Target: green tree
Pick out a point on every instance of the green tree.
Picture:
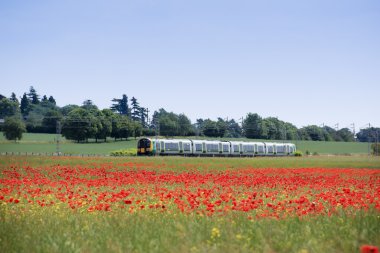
(80, 124)
(33, 96)
(50, 119)
(89, 105)
(13, 98)
(121, 105)
(8, 108)
(168, 126)
(210, 128)
(184, 126)
(13, 128)
(24, 105)
(252, 126)
(233, 129)
(105, 127)
(135, 111)
(345, 134)
(67, 109)
(52, 100)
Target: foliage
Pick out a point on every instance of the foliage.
(8, 108)
(298, 153)
(13, 128)
(121, 105)
(368, 134)
(375, 147)
(253, 126)
(124, 152)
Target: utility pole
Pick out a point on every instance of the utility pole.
(369, 149)
(58, 128)
(147, 115)
(353, 129)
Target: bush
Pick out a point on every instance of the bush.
(375, 148)
(124, 152)
(298, 153)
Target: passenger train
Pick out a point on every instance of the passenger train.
(188, 147)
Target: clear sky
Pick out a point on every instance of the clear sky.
(305, 62)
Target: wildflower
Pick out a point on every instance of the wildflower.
(369, 249)
(215, 233)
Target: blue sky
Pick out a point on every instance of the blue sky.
(305, 62)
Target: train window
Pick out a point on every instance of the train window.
(248, 148)
(260, 149)
(171, 146)
(186, 147)
(212, 147)
(198, 147)
(270, 148)
(236, 148)
(280, 149)
(226, 148)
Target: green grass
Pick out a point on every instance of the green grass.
(54, 230)
(46, 143)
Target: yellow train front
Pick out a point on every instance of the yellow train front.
(145, 147)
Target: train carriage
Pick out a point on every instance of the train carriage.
(187, 147)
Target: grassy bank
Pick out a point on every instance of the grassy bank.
(47, 143)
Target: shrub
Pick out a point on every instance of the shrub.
(124, 152)
(298, 153)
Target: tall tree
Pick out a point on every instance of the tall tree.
(89, 105)
(135, 112)
(121, 105)
(25, 105)
(13, 98)
(184, 125)
(52, 100)
(13, 128)
(33, 96)
(252, 126)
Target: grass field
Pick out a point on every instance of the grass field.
(46, 143)
(177, 204)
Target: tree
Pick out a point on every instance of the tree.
(13, 98)
(167, 125)
(79, 125)
(210, 128)
(89, 105)
(13, 128)
(50, 119)
(105, 127)
(233, 129)
(252, 126)
(121, 105)
(8, 108)
(33, 96)
(52, 100)
(184, 126)
(25, 105)
(67, 109)
(345, 134)
(135, 112)
(143, 116)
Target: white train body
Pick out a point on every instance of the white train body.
(189, 147)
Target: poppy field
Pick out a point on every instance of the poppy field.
(68, 204)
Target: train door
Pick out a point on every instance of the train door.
(241, 148)
(180, 147)
(162, 146)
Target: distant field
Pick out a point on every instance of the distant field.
(46, 143)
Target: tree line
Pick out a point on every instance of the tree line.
(127, 118)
